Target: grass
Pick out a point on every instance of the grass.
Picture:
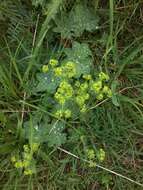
(115, 124)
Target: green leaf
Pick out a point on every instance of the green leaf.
(56, 137)
(46, 82)
(80, 19)
(115, 100)
(81, 55)
(50, 133)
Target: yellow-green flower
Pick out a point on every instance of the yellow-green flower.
(100, 96)
(53, 62)
(67, 113)
(18, 164)
(101, 155)
(69, 69)
(64, 92)
(92, 164)
(84, 86)
(28, 172)
(87, 77)
(45, 68)
(59, 113)
(106, 90)
(58, 71)
(34, 147)
(82, 96)
(103, 76)
(26, 163)
(96, 86)
(83, 109)
(86, 96)
(90, 154)
(80, 100)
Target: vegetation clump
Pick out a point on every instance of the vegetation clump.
(71, 98)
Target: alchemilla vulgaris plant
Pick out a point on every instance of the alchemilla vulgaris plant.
(69, 89)
(71, 94)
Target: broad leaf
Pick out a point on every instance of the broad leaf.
(46, 82)
(81, 55)
(50, 133)
(80, 19)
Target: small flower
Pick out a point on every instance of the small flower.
(58, 71)
(86, 96)
(100, 96)
(35, 147)
(19, 164)
(59, 114)
(70, 69)
(92, 164)
(53, 62)
(26, 163)
(105, 89)
(83, 109)
(80, 100)
(45, 68)
(84, 86)
(96, 86)
(87, 77)
(64, 92)
(28, 172)
(90, 154)
(103, 76)
(101, 155)
(67, 113)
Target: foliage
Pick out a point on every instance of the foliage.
(75, 22)
(71, 94)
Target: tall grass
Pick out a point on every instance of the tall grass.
(115, 125)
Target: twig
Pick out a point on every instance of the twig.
(35, 33)
(23, 107)
(101, 167)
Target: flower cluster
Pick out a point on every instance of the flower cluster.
(26, 162)
(93, 156)
(100, 88)
(78, 89)
(67, 71)
(64, 92)
(82, 95)
(53, 62)
(45, 68)
(101, 155)
(63, 113)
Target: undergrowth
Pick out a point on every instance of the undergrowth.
(71, 96)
